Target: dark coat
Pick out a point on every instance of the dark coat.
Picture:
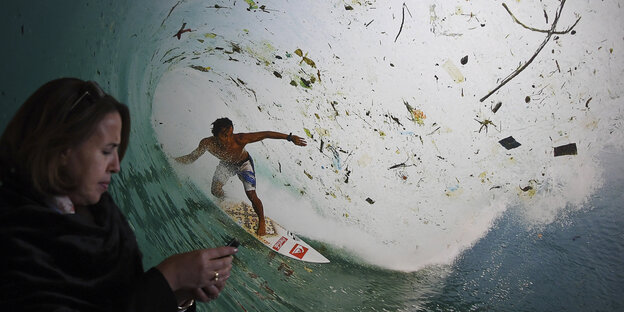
(62, 262)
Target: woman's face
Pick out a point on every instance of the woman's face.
(92, 163)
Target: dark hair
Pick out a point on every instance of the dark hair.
(60, 115)
(220, 125)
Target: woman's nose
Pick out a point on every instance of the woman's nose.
(114, 166)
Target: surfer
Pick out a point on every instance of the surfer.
(229, 148)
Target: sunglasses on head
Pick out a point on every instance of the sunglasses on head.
(92, 92)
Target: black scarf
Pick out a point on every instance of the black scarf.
(63, 262)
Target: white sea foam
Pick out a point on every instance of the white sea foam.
(385, 188)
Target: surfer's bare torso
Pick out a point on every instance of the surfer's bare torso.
(231, 152)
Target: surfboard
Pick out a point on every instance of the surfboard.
(277, 238)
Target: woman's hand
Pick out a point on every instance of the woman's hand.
(199, 274)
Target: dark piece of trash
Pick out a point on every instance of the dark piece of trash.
(568, 149)
(370, 201)
(464, 60)
(509, 143)
(498, 105)
(278, 75)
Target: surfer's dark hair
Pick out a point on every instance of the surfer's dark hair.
(60, 115)
(220, 125)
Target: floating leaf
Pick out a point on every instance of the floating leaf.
(307, 132)
(299, 52)
(293, 83)
(453, 71)
(309, 61)
(304, 83)
(252, 4)
(210, 35)
(419, 116)
(201, 68)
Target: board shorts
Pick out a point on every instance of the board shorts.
(244, 170)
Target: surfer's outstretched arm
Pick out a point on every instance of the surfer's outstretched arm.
(252, 137)
(195, 154)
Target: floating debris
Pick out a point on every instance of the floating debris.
(309, 175)
(278, 75)
(402, 20)
(293, 83)
(453, 71)
(252, 5)
(509, 143)
(305, 83)
(527, 99)
(181, 31)
(464, 60)
(347, 174)
(370, 201)
(496, 107)
(201, 68)
(568, 149)
(307, 132)
(348, 7)
(417, 115)
(216, 6)
(484, 124)
(401, 165)
(305, 58)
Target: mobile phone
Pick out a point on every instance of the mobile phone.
(233, 243)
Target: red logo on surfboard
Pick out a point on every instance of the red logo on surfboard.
(298, 251)
(280, 243)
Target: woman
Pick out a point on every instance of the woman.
(65, 244)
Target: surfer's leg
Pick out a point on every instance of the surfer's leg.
(256, 203)
(217, 189)
(247, 175)
(220, 177)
